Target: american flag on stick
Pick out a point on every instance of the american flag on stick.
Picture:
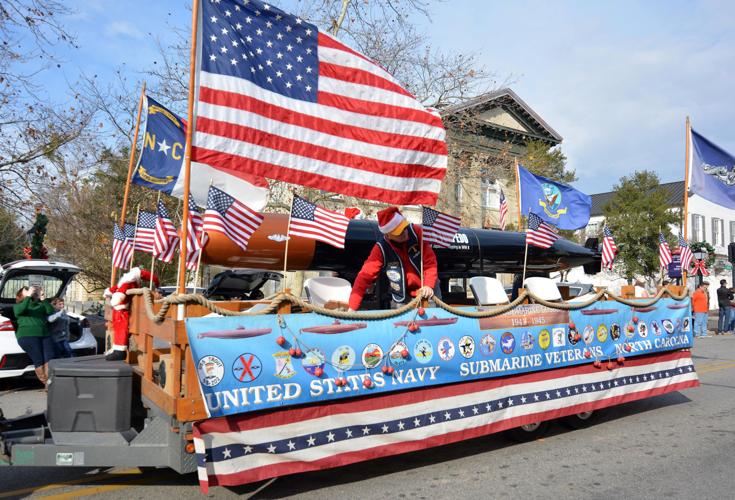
(439, 228)
(166, 238)
(195, 237)
(540, 234)
(317, 223)
(609, 249)
(685, 253)
(228, 216)
(122, 248)
(278, 98)
(664, 252)
(503, 210)
(145, 231)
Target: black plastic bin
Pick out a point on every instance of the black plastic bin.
(89, 394)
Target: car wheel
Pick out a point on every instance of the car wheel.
(529, 432)
(580, 420)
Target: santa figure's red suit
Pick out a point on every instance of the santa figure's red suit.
(120, 303)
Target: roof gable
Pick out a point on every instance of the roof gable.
(674, 191)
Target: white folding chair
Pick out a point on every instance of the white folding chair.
(323, 289)
(543, 288)
(488, 291)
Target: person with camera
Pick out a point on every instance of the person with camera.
(31, 312)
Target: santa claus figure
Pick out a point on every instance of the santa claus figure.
(120, 302)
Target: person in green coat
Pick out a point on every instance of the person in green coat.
(31, 312)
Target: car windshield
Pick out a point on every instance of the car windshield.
(50, 285)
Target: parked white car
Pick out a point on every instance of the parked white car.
(53, 277)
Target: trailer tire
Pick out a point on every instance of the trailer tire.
(529, 432)
(580, 420)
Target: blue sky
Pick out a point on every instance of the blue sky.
(616, 79)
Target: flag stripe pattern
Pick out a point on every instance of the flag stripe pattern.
(609, 249)
(503, 211)
(165, 238)
(664, 252)
(228, 216)
(540, 233)
(122, 248)
(311, 221)
(280, 99)
(685, 254)
(195, 237)
(439, 228)
(145, 231)
(241, 449)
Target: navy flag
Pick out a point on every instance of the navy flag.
(712, 172)
(556, 203)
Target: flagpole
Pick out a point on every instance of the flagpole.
(518, 191)
(135, 235)
(153, 254)
(687, 141)
(525, 254)
(130, 171)
(285, 255)
(201, 243)
(421, 247)
(187, 152)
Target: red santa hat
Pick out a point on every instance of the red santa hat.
(146, 276)
(391, 221)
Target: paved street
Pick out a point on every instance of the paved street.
(678, 445)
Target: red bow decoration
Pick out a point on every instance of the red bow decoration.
(699, 267)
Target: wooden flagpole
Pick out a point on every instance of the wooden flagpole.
(135, 235)
(153, 254)
(525, 255)
(687, 154)
(285, 255)
(518, 192)
(187, 151)
(131, 162)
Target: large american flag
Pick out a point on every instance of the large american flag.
(195, 237)
(685, 254)
(242, 449)
(664, 252)
(609, 249)
(281, 99)
(228, 216)
(311, 221)
(122, 248)
(145, 231)
(540, 233)
(503, 210)
(166, 238)
(439, 228)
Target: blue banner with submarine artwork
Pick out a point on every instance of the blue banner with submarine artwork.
(251, 363)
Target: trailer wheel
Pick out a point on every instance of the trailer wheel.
(580, 420)
(529, 432)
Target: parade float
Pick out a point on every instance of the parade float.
(244, 390)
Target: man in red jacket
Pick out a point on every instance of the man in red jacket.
(399, 253)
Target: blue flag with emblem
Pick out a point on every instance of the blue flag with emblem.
(163, 149)
(713, 171)
(556, 203)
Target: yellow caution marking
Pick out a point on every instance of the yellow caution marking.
(85, 479)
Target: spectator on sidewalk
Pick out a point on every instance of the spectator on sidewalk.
(700, 308)
(724, 297)
(59, 329)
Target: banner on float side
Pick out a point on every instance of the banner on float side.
(713, 171)
(242, 368)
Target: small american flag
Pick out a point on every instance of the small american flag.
(686, 254)
(439, 228)
(195, 237)
(228, 216)
(540, 233)
(664, 252)
(145, 231)
(122, 248)
(165, 239)
(280, 99)
(503, 210)
(609, 249)
(311, 221)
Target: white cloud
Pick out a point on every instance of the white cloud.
(123, 28)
